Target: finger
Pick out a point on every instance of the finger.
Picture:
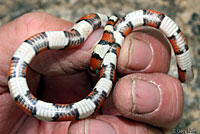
(111, 125)
(66, 61)
(146, 50)
(156, 99)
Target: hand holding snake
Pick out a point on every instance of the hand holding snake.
(124, 82)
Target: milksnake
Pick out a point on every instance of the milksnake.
(102, 63)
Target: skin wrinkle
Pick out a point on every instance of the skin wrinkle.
(40, 127)
(3, 118)
(61, 66)
(26, 20)
(53, 64)
(130, 51)
(18, 124)
(93, 47)
(3, 74)
(124, 67)
(177, 102)
(28, 23)
(86, 123)
(44, 128)
(3, 91)
(82, 67)
(32, 18)
(73, 66)
(173, 109)
(147, 130)
(54, 58)
(136, 132)
(133, 96)
(177, 96)
(3, 88)
(20, 120)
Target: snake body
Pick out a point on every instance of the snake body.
(102, 63)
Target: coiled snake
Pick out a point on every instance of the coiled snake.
(103, 60)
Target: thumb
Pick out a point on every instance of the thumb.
(143, 51)
(155, 98)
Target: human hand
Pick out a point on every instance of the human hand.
(143, 63)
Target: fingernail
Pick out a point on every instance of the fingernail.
(93, 126)
(146, 96)
(140, 54)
